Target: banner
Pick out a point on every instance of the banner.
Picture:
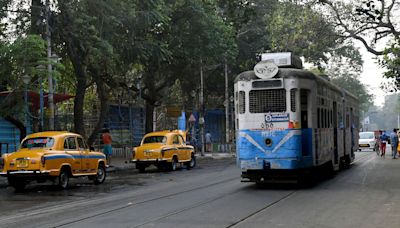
(366, 120)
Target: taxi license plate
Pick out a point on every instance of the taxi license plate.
(148, 154)
(23, 163)
(364, 145)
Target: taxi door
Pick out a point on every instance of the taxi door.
(183, 150)
(176, 143)
(87, 165)
(71, 148)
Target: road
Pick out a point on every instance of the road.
(211, 195)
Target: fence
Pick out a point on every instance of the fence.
(122, 152)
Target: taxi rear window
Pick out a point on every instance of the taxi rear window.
(39, 142)
(155, 139)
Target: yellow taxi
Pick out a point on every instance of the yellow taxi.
(52, 155)
(165, 150)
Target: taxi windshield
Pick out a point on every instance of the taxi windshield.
(366, 135)
(39, 142)
(155, 139)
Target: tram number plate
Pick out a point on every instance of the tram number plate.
(267, 125)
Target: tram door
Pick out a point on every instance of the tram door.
(335, 133)
(306, 129)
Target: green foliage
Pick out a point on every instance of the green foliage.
(302, 30)
(391, 61)
(16, 60)
(350, 83)
(20, 58)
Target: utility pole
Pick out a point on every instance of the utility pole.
(226, 104)
(49, 67)
(201, 119)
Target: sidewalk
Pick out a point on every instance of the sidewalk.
(118, 164)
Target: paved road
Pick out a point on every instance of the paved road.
(366, 195)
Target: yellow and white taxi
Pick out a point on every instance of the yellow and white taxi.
(164, 149)
(52, 155)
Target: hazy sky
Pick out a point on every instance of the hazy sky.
(372, 75)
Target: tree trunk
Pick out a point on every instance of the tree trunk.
(103, 96)
(78, 105)
(36, 18)
(77, 55)
(149, 116)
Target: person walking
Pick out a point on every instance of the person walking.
(208, 141)
(394, 141)
(383, 140)
(107, 140)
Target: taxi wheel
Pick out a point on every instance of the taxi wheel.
(192, 163)
(17, 184)
(141, 168)
(63, 179)
(101, 175)
(173, 164)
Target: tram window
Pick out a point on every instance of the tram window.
(242, 102)
(293, 100)
(326, 118)
(273, 100)
(319, 117)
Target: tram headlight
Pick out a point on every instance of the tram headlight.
(268, 142)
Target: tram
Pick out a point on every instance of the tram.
(290, 121)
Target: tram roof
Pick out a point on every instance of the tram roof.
(292, 73)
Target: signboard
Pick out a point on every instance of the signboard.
(192, 119)
(276, 117)
(266, 69)
(174, 111)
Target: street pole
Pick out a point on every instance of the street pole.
(41, 104)
(226, 105)
(26, 108)
(49, 68)
(201, 119)
(26, 79)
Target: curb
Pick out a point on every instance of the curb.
(208, 156)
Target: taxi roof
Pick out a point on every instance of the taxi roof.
(166, 132)
(51, 134)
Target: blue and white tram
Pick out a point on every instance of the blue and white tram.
(289, 120)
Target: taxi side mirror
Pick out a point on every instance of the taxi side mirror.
(91, 148)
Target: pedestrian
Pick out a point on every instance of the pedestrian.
(208, 141)
(383, 140)
(398, 146)
(107, 140)
(394, 141)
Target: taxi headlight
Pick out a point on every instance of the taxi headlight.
(371, 142)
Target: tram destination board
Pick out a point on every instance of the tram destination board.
(267, 84)
(276, 117)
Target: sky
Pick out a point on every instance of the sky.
(372, 75)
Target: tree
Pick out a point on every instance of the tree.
(371, 22)
(350, 83)
(17, 59)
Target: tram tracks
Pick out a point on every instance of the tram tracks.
(82, 204)
(364, 159)
(361, 158)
